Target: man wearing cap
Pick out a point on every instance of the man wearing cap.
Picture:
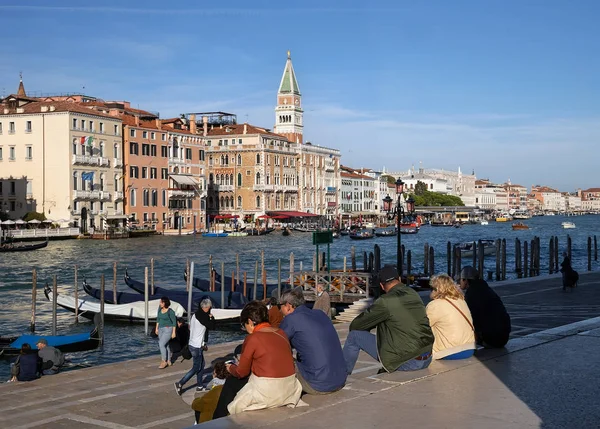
(320, 363)
(52, 358)
(490, 318)
(404, 338)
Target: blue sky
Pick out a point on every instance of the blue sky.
(506, 88)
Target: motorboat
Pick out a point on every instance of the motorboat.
(408, 230)
(215, 234)
(484, 222)
(466, 249)
(519, 226)
(568, 225)
(361, 235)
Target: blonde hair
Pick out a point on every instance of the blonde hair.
(443, 286)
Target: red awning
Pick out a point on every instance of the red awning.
(226, 216)
(280, 217)
(264, 217)
(294, 214)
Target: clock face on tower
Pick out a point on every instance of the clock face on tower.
(297, 102)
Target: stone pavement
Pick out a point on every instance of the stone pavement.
(546, 377)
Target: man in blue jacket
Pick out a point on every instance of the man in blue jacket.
(320, 365)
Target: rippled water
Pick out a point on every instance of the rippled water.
(94, 257)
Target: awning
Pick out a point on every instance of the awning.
(293, 214)
(184, 180)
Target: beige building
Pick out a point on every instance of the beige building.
(63, 158)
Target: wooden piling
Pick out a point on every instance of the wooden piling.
(187, 275)
(474, 256)
(402, 254)
(458, 261)
(480, 257)
(190, 294)
(453, 273)
(589, 243)
(518, 260)
(76, 297)
(377, 258)
(345, 267)
(102, 290)
(237, 267)
(152, 276)
(595, 248)
(115, 283)
(569, 246)
(498, 256)
(551, 256)
(255, 280)
(211, 285)
(371, 262)
(314, 262)
(504, 259)
(408, 267)
(292, 269)
(449, 258)
(353, 258)
(425, 258)
(532, 259)
(537, 256)
(33, 299)
(223, 285)
(525, 259)
(146, 300)
(556, 262)
(232, 280)
(278, 279)
(431, 263)
(365, 262)
(54, 296)
(245, 283)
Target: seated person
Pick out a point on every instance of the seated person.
(52, 358)
(205, 405)
(490, 318)
(267, 359)
(27, 366)
(322, 300)
(404, 339)
(450, 320)
(275, 315)
(231, 387)
(320, 365)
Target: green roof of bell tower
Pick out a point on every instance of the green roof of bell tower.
(289, 84)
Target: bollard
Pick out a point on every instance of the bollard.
(498, 256)
(353, 258)
(102, 290)
(551, 256)
(255, 280)
(525, 259)
(431, 264)
(449, 258)
(115, 283)
(589, 267)
(152, 274)
(33, 299)
(377, 260)
(504, 259)
(408, 267)
(146, 301)
(76, 297)
(54, 296)
(425, 258)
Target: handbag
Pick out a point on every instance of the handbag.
(463, 314)
(185, 352)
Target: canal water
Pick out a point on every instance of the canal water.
(96, 257)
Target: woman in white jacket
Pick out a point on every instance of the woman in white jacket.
(450, 320)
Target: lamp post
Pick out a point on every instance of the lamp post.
(398, 213)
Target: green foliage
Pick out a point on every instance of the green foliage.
(390, 179)
(437, 199)
(420, 188)
(34, 215)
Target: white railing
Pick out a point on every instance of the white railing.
(86, 159)
(82, 195)
(105, 196)
(259, 187)
(288, 188)
(227, 188)
(118, 196)
(103, 162)
(117, 162)
(58, 232)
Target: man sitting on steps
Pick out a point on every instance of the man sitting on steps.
(404, 339)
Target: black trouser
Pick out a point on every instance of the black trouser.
(231, 387)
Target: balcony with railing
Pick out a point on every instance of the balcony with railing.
(118, 196)
(181, 193)
(86, 195)
(85, 159)
(103, 162)
(104, 196)
(290, 188)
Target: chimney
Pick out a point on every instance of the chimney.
(221, 125)
(245, 128)
(158, 123)
(137, 121)
(204, 125)
(193, 124)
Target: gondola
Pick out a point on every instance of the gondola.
(19, 247)
(361, 235)
(409, 230)
(386, 233)
(235, 300)
(133, 312)
(260, 231)
(11, 346)
(344, 232)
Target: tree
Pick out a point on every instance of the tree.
(34, 215)
(391, 180)
(420, 188)
(437, 199)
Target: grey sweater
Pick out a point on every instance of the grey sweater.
(51, 354)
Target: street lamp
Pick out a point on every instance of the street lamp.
(398, 213)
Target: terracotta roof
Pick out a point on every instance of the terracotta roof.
(354, 175)
(238, 129)
(591, 190)
(59, 106)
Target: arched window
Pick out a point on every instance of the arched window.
(222, 159)
(102, 182)
(116, 182)
(227, 179)
(132, 199)
(154, 198)
(258, 178)
(239, 160)
(211, 179)
(231, 202)
(74, 146)
(231, 182)
(239, 202)
(75, 179)
(226, 159)
(239, 179)
(116, 151)
(101, 153)
(258, 158)
(258, 201)
(222, 179)
(146, 197)
(222, 202)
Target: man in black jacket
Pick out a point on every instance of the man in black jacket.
(490, 318)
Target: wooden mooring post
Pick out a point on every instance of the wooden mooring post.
(222, 284)
(292, 269)
(589, 255)
(569, 247)
(237, 267)
(480, 257)
(408, 267)
(152, 273)
(556, 264)
(232, 280)
(595, 249)
(532, 259)
(187, 274)
(102, 291)
(498, 256)
(377, 258)
(211, 286)
(551, 256)
(525, 259)
(425, 258)
(278, 279)
(474, 255)
(431, 263)
(518, 260)
(33, 299)
(353, 258)
(255, 280)
(54, 296)
(76, 297)
(449, 258)
(146, 300)
(190, 293)
(245, 283)
(115, 283)
(503, 259)
(538, 253)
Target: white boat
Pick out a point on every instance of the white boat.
(521, 214)
(484, 222)
(489, 248)
(568, 225)
(133, 312)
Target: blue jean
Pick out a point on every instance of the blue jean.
(197, 366)
(465, 354)
(364, 340)
(164, 336)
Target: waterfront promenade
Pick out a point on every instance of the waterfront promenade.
(546, 377)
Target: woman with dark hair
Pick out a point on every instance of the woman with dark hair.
(27, 366)
(267, 359)
(166, 324)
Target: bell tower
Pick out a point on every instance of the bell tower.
(288, 113)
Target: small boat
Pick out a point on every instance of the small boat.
(489, 248)
(344, 232)
(305, 229)
(409, 230)
(261, 231)
(286, 232)
(521, 215)
(21, 247)
(386, 233)
(361, 235)
(568, 225)
(519, 226)
(335, 234)
(484, 222)
(215, 234)
(440, 224)
(133, 312)
(502, 219)
(11, 346)
(237, 234)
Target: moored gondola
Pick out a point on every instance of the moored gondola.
(386, 232)
(21, 247)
